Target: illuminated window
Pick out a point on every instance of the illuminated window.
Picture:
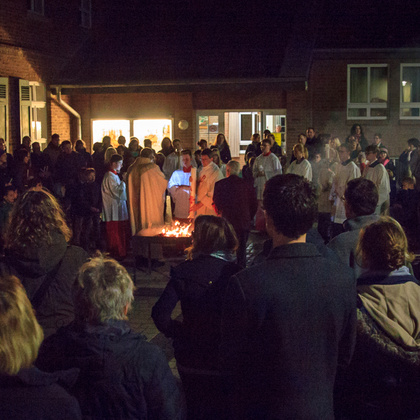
(111, 128)
(155, 130)
(33, 110)
(208, 127)
(86, 14)
(36, 6)
(410, 91)
(367, 91)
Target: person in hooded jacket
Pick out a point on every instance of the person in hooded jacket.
(37, 252)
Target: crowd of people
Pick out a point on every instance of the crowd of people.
(324, 323)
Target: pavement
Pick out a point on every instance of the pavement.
(149, 287)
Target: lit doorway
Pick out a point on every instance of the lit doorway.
(238, 126)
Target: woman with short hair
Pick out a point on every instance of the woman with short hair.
(122, 376)
(25, 391)
(199, 284)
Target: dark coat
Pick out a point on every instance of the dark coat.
(200, 285)
(254, 147)
(287, 324)
(122, 376)
(225, 155)
(236, 201)
(56, 309)
(34, 395)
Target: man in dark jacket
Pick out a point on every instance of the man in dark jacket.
(289, 322)
(121, 375)
(236, 200)
(361, 198)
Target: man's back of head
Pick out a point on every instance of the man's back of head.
(361, 198)
(233, 168)
(290, 204)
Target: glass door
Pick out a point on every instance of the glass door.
(210, 124)
(249, 124)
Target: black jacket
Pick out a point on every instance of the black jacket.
(236, 200)
(122, 376)
(32, 268)
(287, 324)
(200, 285)
(34, 395)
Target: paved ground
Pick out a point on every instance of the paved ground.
(150, 286)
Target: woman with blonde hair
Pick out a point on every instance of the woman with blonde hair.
(215, 155)
(25, 391)
(37, 251)
(122, 376)
(383, 378)
(200, 283)
(301, 165)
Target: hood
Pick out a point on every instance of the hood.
(359, 222)
(36, 262)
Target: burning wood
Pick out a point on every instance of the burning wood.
(176, 230)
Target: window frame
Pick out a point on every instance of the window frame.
(33, 104)
(32, 7)
(367, 105)
(407, 104)
(4, 102)
(85, 12)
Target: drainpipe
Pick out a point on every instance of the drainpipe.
(72, 111)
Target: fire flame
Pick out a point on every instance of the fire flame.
(176, 230)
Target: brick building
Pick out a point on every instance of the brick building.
(83, 68)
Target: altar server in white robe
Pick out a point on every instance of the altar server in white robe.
(209, 175)
(377, 173)
(346, 171)
(265, 167)
(301, 165)
(179, 187)
(173, 161)
(114, 204)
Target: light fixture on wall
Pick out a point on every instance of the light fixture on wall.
(183, 125)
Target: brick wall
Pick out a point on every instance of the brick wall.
(36, 48)
(61, 120)
(328, 99)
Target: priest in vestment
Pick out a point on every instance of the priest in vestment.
(208, 176)
(146, 192)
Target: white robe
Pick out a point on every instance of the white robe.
(173, 162)
(180, 196)
(345, 173)
(271, 166)
(379, 176)
(208, 176)
(303, 168)
(146, 194)
(114, 198)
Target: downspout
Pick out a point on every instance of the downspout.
(72, 111)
